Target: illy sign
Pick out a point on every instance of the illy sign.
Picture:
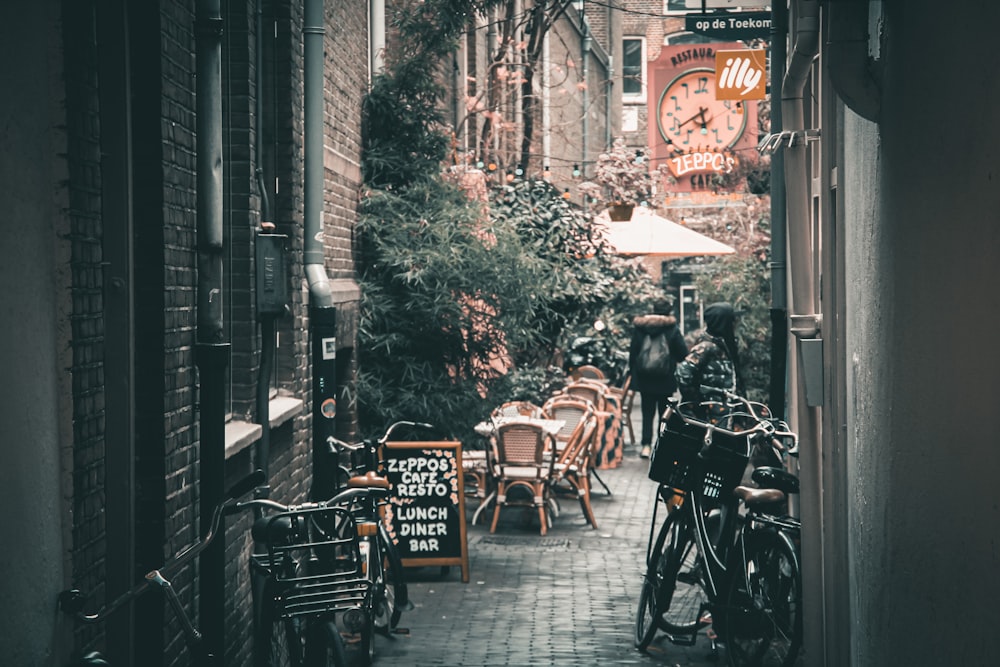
(741, 75)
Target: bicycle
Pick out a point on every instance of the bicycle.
(360, 465)
(295, 598)
(723, 556)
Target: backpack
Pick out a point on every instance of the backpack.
(654, 355)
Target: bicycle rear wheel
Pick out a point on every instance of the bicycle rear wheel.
(394, 592)
(764, 606)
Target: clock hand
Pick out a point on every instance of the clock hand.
(700, 114)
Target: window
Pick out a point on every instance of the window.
(674, 7)
(632, 67)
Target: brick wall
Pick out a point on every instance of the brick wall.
(87, 324)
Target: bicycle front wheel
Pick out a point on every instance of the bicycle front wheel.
(764, 607)
(325, 645)
(673, 597)
(279, 644)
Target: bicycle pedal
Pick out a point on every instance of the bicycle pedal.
(690, 577)
(683, 640)
(401, 631)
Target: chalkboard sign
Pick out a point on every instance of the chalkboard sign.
(426, 511)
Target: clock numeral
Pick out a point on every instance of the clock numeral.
(702, 85)
(687, 139)
(677, 107)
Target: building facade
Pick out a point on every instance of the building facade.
(134, 284)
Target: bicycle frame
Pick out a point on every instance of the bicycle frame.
(73, 601)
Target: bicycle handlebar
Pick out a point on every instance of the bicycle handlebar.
(72, 601)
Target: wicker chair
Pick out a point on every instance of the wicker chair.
(521, 460)
(587, 371)
(571, 470)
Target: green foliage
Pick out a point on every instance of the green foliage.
(586, 280)
(444, 295)
(452, 298)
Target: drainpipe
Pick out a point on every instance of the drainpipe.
(322, 313)
(779, 246)
(212, 352)
(852, 70)
(585, 56)
(805, 325)
(377, 22)
(271, 277)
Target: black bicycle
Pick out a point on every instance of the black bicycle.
(360, 466)
(294, 602)
(727, 554)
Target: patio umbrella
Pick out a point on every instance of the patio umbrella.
(650, 234)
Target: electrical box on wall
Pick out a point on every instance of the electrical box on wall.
(271, 275)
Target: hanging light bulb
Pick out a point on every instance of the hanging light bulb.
(565, 194)
(576, 171)
(546, 172)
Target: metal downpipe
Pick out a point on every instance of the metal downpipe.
(322, 313)
(211, 350)
(779, 245)
(268, 333)
(320, 293)
(805, 322)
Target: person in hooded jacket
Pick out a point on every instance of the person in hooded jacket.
(711, 366)
(654, 388)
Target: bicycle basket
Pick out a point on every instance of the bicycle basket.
(314, 558)
(692, 455)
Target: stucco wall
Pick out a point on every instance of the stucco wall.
(924, 277)
(31, 561)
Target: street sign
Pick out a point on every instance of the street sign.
(725, 4)
(730, 26)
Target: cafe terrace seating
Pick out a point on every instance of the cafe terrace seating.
(521, 463)
(571, 469)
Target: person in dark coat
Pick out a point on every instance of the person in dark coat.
(711, 367)
(654, 388)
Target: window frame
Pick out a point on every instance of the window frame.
(640, 96)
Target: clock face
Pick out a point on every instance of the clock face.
(690, 118)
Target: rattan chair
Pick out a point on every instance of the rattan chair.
(522, 457)
(571, 470)
(587, 371)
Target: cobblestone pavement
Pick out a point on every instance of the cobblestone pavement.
(567, 598)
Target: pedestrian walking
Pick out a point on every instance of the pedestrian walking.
(711, 367)
(656, 347)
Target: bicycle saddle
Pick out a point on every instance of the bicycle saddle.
(370, 480)
(776, 478)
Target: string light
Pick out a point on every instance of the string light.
(576, 171)
(565, 194)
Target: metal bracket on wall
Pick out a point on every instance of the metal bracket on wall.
(772, 143)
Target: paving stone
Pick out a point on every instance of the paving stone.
(568, 598)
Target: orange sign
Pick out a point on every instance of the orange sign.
(741, 75)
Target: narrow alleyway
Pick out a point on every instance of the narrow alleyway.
(567, 598)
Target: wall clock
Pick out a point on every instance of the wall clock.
(690, 118)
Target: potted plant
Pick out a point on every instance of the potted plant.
(621, 180)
